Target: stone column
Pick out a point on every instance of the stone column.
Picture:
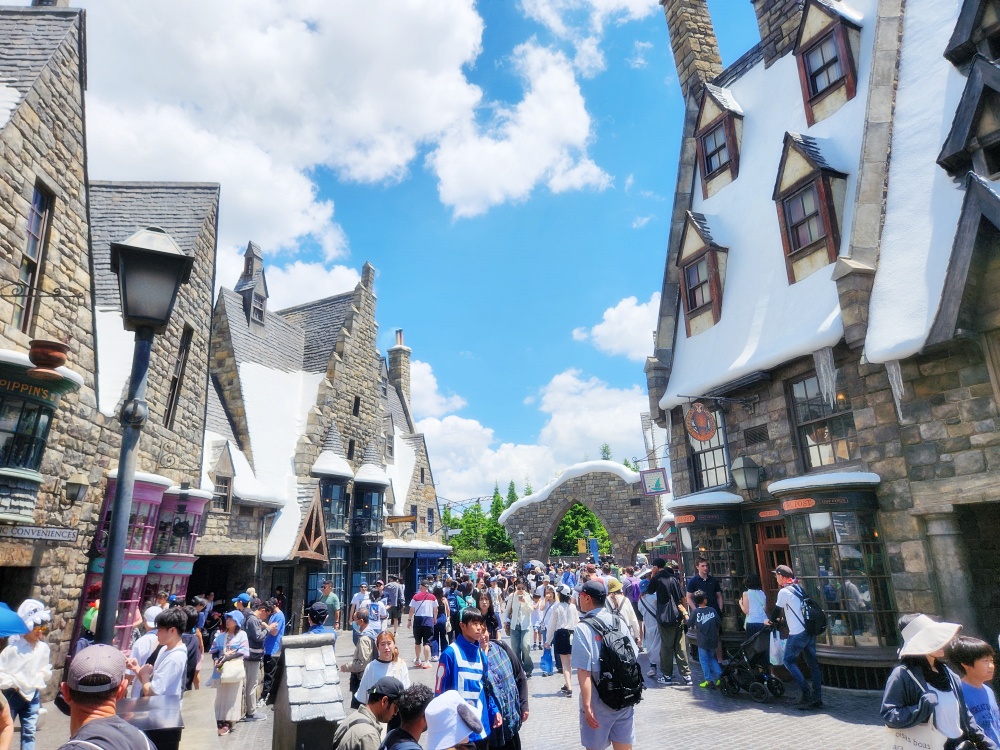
(951, 567)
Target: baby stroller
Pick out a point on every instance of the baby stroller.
(747, 670)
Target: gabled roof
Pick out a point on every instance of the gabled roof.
(28, 39)
(961, 46)
(279, 345)
(724, 98)
(320, 322)
(699, 224)
(981, 201)
(835, 9)
(332, 461)
(953, 157)
(118, 209)
(809, 148)
(249, 281)
(217, 418)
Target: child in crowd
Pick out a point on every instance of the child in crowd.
(975, 660)
(706, 623)
(536, 620)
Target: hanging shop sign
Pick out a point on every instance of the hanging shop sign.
(708, 517)
(819, 502)
(15, 381)
(654, 481)
(700, 422)
(46, 533)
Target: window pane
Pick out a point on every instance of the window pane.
(10, 414)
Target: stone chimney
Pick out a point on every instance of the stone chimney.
(692, 37)
(399, 365)
(778, 21)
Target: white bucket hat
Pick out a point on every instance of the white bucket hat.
(924, 636)
(34, 613)
(450, 720)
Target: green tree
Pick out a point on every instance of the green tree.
(605, 452)
(571, 528)
(527, 486)
(630, 465)
(511, 494)
(473, 525)
(498, 542)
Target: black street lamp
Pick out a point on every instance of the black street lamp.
(150, 269)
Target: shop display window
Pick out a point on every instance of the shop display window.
(141, 520)
(177, 530)
(367, 511)
(366, 561)
(333, 496)
(840, 561)
(157, 582)
(724, 549)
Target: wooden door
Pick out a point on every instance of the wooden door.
(771, 546)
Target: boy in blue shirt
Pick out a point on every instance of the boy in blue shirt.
(462, 667)
(975, 659)
(706, 623)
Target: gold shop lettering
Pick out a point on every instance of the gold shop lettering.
(25, 389)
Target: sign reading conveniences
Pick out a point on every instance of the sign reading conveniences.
(46, 533)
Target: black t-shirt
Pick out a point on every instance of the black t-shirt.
(709, 585)
(112, 733)
(397, 739)
(194, 658)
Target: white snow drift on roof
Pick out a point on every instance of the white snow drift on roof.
(115, 347)
(817, 481)
(142, 476)
(923, 204)
(9, 99)
(13, 357)
(415, 544)
(766, 321)
(400, 472)
(573, 472)
(245, 484)
(277, 404)
(701, 499)
(371, 474)
(329, 464)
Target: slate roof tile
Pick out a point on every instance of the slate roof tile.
(279, 344)
(28, 39)
(321, 321)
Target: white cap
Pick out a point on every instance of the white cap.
(450, 721)
(150, 615)
(33, 613)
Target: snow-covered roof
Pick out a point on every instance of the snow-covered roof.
(415, 544)
(923, 203)
(841, 9)
(246, 487)
(701, 499)
(142, 476)
(332, 461)
(115, 346)
(9, 99)
(820, 481)
(371, 470)
(190, 491)
(20, 359)
(400, 472)
(573, 472)
(766, 321)
(724, 97)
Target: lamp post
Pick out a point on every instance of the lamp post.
(747, 474)
(150, 269)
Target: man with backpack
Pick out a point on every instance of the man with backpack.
(805, 620)
(670, 616)
(605, 657)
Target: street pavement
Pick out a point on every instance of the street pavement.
(667, 717)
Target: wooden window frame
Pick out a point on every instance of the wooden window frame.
(828, 213)
(226, 496)
(256, 308)
(829, 415)
(727, 121)
(714, 286)
(177, 377)
(30, 270)
(849, 79)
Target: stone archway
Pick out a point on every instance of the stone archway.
(612, 491)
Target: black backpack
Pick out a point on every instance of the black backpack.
(813, 616)
(620, 684)
(667, 610)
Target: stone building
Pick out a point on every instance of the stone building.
(838, 362)
(59, 438)
(310, 449)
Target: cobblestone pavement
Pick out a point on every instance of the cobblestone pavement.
(667, 717)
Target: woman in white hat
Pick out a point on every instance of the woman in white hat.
(450, 722)
(25, 669)
(923, 688)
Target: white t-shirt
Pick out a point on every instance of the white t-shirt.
(170, 671)
(788, 599)
(358, 598)
(141, 651)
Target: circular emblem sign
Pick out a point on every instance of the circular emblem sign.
(700, 422)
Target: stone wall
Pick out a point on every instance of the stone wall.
(627, 514)
(692, 38)
(778, 21)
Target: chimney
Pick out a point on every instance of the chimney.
(399, 366)
(778, 21)
(692, 37)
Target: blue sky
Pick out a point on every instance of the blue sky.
(507, 167)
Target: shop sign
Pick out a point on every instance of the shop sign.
(16, 554)
(833, 501)
(46, 533)
(700, 422)
(171, 567)
(802, 503)
(654, 481)
(712, 517)
(14, 382)
(756, 515)
(431, 554)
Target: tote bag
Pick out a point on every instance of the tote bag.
(232, 671)
(777, 649)
(918, 737)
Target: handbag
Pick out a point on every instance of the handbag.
(232, 671)
(918, 737)
(447, 624)
(548, 663)
(777, 649)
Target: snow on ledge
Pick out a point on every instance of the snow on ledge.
(371, 474)
(329, 464)
(573, 472)
(12, 357)
(141, 476)
(715, 497)
(818, 481)
(415, 544)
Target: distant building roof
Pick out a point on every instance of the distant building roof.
(321, 322)
(28, 39)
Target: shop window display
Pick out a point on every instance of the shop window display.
(723, 547)
(840, 561)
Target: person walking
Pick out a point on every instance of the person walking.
(600, 725)
(230, 648)
(490, 617)
(441, 624)
(386, 663)
(364, 652)
(463, 668)
(618, 603)
(360, 599)
(145, 644)
(559, 635)
(706, 622)
(788, 607)
(25, 669)
(164, 673)
(423, 613)
(518, 612)
(393, 595)
(256, 632)
(650, 627)
(507, 684)
(363, 731)
(670, 616)
(332, 602)
(753, 604)
(272, 648)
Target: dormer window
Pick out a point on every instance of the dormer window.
(827, 48)
(257, 311)
(974, 139)
(809, 195)
(977, 31)
(718, 132)
(703, 270)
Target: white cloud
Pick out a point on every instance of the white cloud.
(589, 59)
(625, 329)
(426, 399)
(542, 138)
(629, 182)
(638, 59)
(640, 221)
(582, 413)
(300, 282)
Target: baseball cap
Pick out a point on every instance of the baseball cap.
(245, 598)
(784, 570)
(595, 588)
(389, 687)
(318, 610)
(99, 660)
(450, 721)
(565, 590)
(380, 582)
(149, 616)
